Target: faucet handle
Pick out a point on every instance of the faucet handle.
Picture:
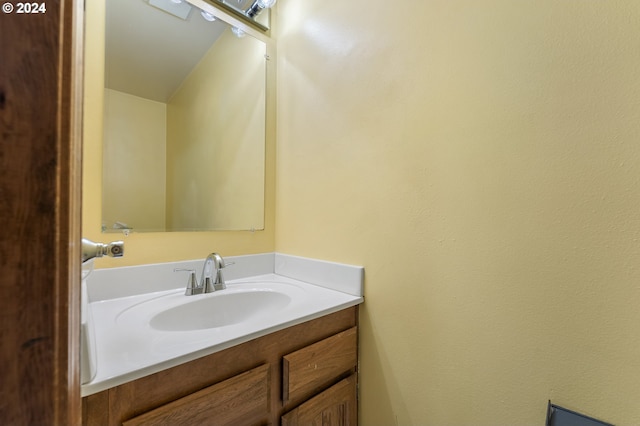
(192, 284)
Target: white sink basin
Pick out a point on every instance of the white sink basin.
(219, 309)
(237, 305)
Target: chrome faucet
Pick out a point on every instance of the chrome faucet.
(208, 283)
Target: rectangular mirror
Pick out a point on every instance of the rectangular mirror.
(184, 121)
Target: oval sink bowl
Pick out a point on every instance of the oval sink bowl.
(219, 309)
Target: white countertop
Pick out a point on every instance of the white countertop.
(128, 348)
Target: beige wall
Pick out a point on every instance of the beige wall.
(134, 161)
(215, 140)
(481, 160)
(155, 247)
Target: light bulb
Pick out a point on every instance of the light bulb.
(265, 4)
(238, 32)
(209, 17)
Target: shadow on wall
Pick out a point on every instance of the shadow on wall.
(374, 361)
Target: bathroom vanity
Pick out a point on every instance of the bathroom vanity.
(293, 376)
(294, 364)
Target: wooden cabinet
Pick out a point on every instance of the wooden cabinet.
(305, 374)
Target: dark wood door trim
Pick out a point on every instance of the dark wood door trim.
(40, 161)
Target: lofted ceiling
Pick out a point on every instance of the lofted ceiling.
(149, 52)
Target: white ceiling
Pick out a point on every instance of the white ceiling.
(149, 52)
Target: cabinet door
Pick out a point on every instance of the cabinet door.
(337, 406)
(243, 399)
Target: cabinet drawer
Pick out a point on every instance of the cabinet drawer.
(337, 406)
(243, 398)
(310, 369)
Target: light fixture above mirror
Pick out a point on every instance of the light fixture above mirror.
(250, 10)
(255, 12)
(258, 6)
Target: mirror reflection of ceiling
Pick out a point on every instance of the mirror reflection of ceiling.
(149, 52)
